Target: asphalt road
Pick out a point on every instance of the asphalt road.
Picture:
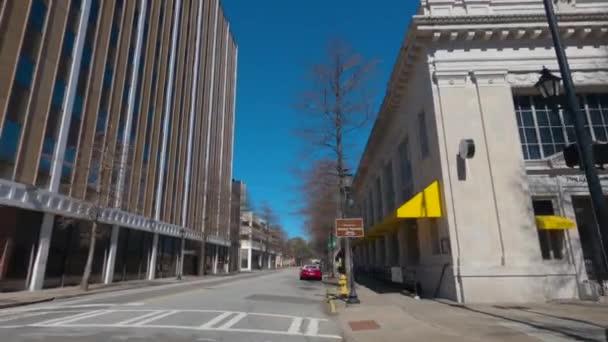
(260, 307)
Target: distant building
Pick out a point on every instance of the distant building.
(125, 104)
(475, 230)
(260, 247)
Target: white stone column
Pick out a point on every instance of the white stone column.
(152, 264)
(215, 260)
(226, 260)
(111, 260)
(44, 242)
(249, 256)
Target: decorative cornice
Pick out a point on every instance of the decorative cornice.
(598, 77)
(566, 17)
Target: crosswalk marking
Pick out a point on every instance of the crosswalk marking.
(221, 321)
(296, 323)
(155, 318)
(233, 321)
(72, 318)
(215, 320)
(313, 327)
(140, 317)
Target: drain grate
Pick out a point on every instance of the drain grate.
(363, 325)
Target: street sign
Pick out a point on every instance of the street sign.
(331, 243)
(349, 228)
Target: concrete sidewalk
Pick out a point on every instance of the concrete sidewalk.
(385, 316)
(21, 298)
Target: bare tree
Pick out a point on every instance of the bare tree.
(337, 104)
(105, 160)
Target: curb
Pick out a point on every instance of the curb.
(24, 303)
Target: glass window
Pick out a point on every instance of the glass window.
(545, 132)
(434, 237)
(389, 189)
(380, 208)
(407, 184)
(551, 241)
(424, 135)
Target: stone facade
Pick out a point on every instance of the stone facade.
(460, 67)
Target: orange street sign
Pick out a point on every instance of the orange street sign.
(349, 228)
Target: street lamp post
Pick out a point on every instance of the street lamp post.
(347, 202)
(549, 87)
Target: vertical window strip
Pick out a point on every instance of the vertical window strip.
(12, 129)
(104, 106)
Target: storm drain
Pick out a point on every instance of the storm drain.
(363, 325)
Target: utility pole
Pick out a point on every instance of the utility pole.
(585, 148)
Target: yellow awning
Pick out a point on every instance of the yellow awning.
(426, 204)
(554, 222)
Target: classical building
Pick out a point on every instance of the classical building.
(479, 227)
(259, 244)
(120, 112)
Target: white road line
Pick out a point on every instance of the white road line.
(155, 318)
(28, 314)
(70, 319)
(295, 326)
(140, 317)
(182, 327)
(54, 320)
(313, 327)
(233, 321)
(217, 319)
(24, 315)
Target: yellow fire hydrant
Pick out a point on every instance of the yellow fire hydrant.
(343, 291)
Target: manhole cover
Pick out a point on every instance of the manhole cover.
(363, 325)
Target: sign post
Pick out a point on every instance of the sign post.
(350, 228)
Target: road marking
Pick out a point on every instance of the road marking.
(140, 317)
(155, 318)
(296, 323)
(74, 318)
(233, 321)
(313, 327)
(215, 320)
(55, 320)
(182, 327)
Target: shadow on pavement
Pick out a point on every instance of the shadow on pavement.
(552, 327)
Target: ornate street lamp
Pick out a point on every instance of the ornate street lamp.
(548, 84)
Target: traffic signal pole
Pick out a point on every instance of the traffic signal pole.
(600, 206)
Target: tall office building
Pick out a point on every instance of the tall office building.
(117, 111)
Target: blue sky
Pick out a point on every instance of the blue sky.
(278, 40)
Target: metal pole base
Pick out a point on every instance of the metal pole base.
(353, 300)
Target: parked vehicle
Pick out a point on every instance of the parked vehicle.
(311, 272)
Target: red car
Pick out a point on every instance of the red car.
(311, 272)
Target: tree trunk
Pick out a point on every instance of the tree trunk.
(84, 284)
